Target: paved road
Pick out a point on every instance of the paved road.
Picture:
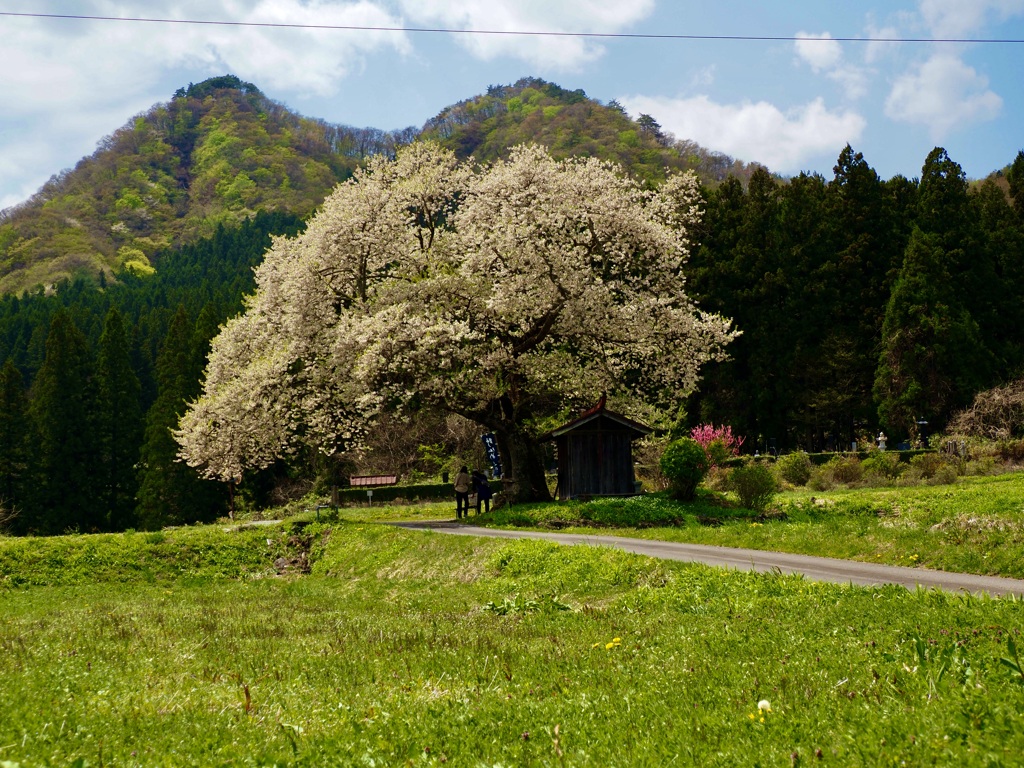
(816, 568)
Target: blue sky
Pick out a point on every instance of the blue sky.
(793, 105)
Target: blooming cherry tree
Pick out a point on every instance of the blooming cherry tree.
(504, 294)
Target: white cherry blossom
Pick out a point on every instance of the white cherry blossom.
(506, 294)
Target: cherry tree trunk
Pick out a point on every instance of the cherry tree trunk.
(523, 464)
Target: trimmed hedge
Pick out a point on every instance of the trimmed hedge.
(427, 492)
(817, 459)
(823, 458)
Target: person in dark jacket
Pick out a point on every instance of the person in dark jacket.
(482, 489)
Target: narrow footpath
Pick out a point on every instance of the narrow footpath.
(816, 568)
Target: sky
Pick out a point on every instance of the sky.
(791, 104)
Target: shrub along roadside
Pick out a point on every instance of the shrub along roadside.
(755, 485)
(685, 464)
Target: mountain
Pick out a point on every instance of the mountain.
(220, 151)
(216, 153)
(570, 124)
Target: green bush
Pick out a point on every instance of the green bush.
(718, 452)
(795, 468)
(984, 465)
(1011, 450)
(821, 480)
(755, 484)
(719, 479)
(945, 475)
(845, 469)
(884, 464)
(928, 464)
(685, 464)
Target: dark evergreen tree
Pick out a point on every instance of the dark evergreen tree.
(170, 491)
(760, 305)
(1015, 177)
(852, 289)
(1001, 314)
(119, 423)
(806, 318)
(715, 279)
(63, 406)
(207, 327)
(932, 358)
(15, 450)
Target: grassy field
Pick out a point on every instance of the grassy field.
(413, 648)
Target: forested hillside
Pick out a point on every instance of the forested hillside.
(863, 302)
(570, 124)
(220, 151)
(95, 379)
(216, 153)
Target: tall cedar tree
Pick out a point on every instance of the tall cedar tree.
(931, 348)
(934, 355)
(15, 446)
(859, 281)
(64, 408)
(171, 491)
(1015, 177)
(119, 423)
(1003, 253)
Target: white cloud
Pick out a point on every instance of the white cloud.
(957, 18)
(942, 94)
(822, 52)
(759, 131)
(703, 77)
(74, 82)
(875, 51)
(825, 56)
(73, 65)
(567, 53)
(308, 61)
(853, 80)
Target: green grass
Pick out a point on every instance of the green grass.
(198, 552)
(973, 526)
(414, 648)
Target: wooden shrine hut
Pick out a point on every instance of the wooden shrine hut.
(595, 454)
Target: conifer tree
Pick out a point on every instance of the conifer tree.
(1016, 179)
(119, 422)
(15, 459)
(932, 357)
(170, 491)
(63, 407)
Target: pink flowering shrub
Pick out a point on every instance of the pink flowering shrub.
(719, 443)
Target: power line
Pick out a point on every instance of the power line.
(519, 33)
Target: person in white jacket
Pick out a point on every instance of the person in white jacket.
(462, 483)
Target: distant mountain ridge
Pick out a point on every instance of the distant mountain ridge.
(220, 151)
(216, 153)
(569, 123)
